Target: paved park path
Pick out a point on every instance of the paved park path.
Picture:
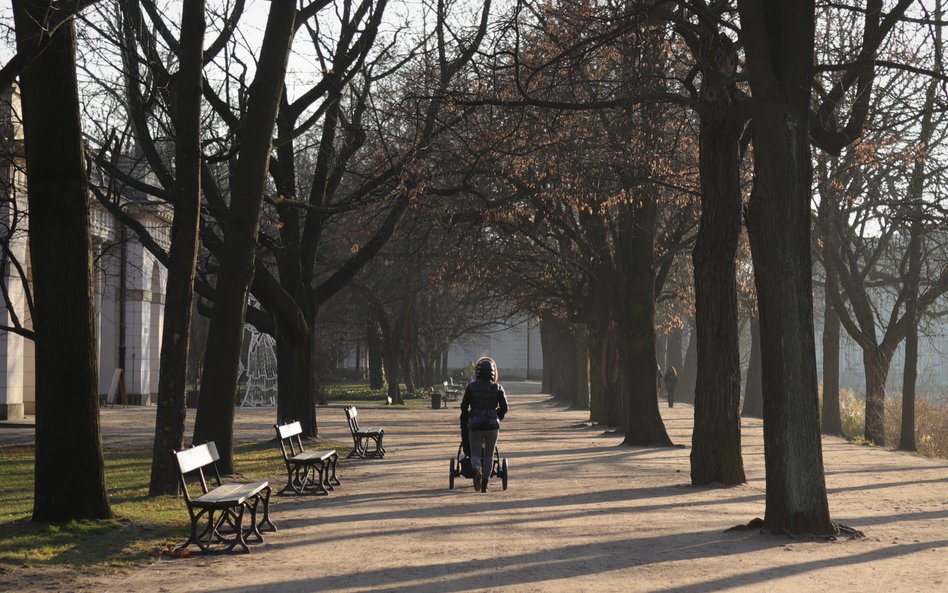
(580, 514)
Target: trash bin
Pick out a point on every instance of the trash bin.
(435, 400)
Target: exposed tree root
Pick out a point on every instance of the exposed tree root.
(840, 531)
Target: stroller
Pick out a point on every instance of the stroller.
(461, 465)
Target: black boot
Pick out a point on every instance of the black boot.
(483, 485)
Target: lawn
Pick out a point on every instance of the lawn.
(143, 526)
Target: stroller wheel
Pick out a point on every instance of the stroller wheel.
(503, 473)
(454, 465)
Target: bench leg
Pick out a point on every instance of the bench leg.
(293, 480)
(265, 523)
(213, 532)
(333, 480)
(358, 449)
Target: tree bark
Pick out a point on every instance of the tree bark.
(69, 480)
(753, 392)
(294, 353)
(172, 378)
(876, 362)
(831, 422)
(716, 440)
(581, 391)
(778, 37)
(215, 415)
(636, 329)
(546, 345)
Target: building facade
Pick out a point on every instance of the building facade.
(129, 281)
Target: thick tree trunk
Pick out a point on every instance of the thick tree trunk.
(830, 420)
(294, 355)
(172, 378)
(215, 415)
(69, 478)
(753, 391)
(876, 362)
(778, 38)
(716, 440)
(636, 332)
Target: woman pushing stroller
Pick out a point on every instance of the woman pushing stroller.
(483, 406)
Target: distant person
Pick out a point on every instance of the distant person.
(483, 406)
(671, 378)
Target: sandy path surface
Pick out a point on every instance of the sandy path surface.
(580, 514)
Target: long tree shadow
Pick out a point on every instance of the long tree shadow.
(583, 559)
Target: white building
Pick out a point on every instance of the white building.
(129, 284)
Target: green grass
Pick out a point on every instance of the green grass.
(360, 392)
(143, 526)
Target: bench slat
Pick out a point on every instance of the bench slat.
(312, 456)
(195, 457)
(229, 494)
(290, 430)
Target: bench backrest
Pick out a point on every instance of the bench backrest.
(352, 416)
(286, 434)
(196, 459)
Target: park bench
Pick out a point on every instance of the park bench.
(306, 471)
(453, 391)
(361, 438)
(217, 514)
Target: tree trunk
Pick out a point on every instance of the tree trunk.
(408, 371)
(778, 37)
(636, 331)
(612, 379)
(69, 477)
(753, 392)
(215, 415)
(688, 377)
(581, 391)
(876, 362)
(547, 345)
(909, 376)
(597, 404)
(172, 378)
(391, 373)
(831, 421)
(374, 345)
(716, 440)
(295, 401)
(562, 360)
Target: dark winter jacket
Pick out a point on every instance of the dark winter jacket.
(484, 405)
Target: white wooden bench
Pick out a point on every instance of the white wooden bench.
(362, 437)
(306, 471)
(217, 514)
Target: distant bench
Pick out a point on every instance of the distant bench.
(305, 470)
(361, 438)
(221, 508)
